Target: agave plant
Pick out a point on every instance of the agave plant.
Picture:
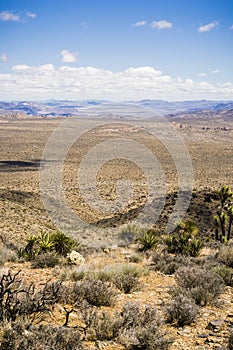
(63, 244)
(149, 240)
(45, 242)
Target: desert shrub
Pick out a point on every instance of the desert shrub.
(95, 292)
(126, 278)
(131, 233)
(182, 310)
(225, 255)
(49, 259)
(200, 284)
(226, 273)
(167, 263)
(99, 324)
(149, 240)
(7, 254)
(140, 329)
(17, 298)
(17, 336)
(132, 327)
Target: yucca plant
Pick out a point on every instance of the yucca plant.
(149, 240)
(223, 220)
(45, 242)
(63, 244)
(194, 247)
(183, 240)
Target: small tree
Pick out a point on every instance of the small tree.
(223, 220)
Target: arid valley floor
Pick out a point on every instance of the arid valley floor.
(210, 145)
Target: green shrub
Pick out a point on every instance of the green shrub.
(46, 242)
(183, 240)
(226, 273)
(182, 310)
(198, 283)
(63, 244)
(149, 240)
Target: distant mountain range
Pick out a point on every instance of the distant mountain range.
(66, 108)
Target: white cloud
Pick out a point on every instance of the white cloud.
(163, 24)
(4, 57)
(231, 27)
(215, 71)
(31, 15)
(140, 24)
(208, 27)
(66, 82)
(9, 16)
(68, 57)
(202, 74)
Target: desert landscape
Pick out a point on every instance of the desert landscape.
(131, 266)
(116, 175)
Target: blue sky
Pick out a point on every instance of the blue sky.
(90, 49)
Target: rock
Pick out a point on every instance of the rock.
(76, 258)
(203, 335)
(215, 324)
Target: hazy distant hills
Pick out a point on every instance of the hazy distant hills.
(68, 108)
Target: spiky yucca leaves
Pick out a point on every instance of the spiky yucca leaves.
(45, 242)
(63, 244)
(183, 240)
(149, 240)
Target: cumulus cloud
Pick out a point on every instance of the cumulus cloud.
(140, 24)
(202, 74)
(215, 71)
(134, 83)
(4, 57)
(208, 27)
(68, 56)
(7, 16)
(162, 24)
(31, 15)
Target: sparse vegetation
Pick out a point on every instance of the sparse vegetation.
(183, 240)
(149, 240)
(226, 273)
(198, 283)
(48, 259)
(45, 243)
(223, 220)
(85, 310)
(181, 311)
(95, 292)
